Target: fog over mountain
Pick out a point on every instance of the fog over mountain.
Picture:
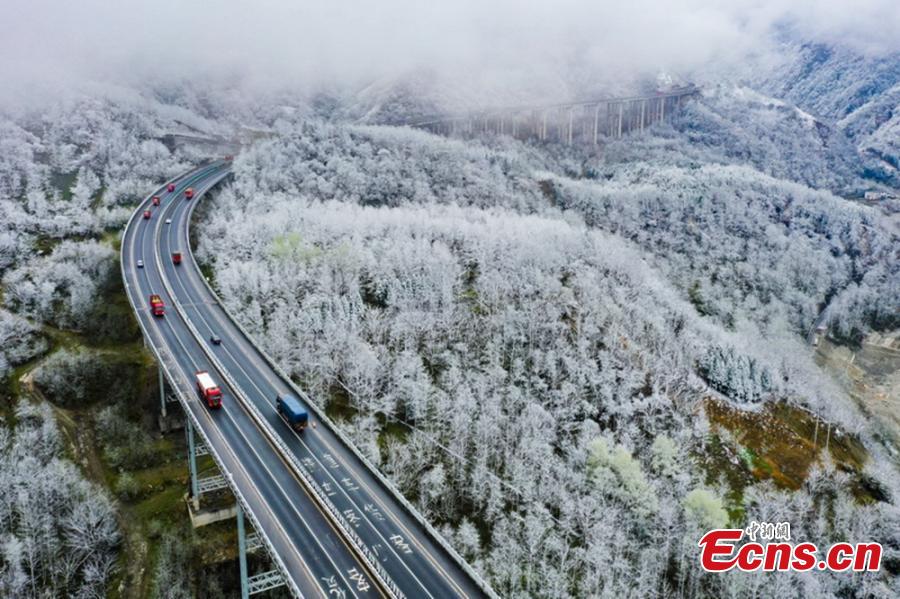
(508, 49)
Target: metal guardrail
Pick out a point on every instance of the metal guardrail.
(184, 391)
(432, 532)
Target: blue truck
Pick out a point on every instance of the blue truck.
(293, 413)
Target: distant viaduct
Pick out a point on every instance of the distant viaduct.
(579, 122)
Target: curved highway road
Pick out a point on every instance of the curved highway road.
(312, 553)
(353, 530)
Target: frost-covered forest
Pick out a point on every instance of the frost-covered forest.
(548, 349)
(58, 530)
(71, 170)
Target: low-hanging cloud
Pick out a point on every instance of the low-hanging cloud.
(534, 45)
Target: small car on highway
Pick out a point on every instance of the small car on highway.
(168, 221)
(170, 187)
(215, 339)
(140, 264)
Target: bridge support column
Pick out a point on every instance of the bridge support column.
(619, 122)
(258, 583)
(162, 392)
(571, 125)
(242, 553)
(192, 463)
(610, 121)
(643, 110)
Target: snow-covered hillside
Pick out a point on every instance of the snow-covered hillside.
(861, 94)
(535, 343)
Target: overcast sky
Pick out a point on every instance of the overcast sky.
(509, 42)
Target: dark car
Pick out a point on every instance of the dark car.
(216, 340)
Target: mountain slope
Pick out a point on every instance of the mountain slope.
(861, 94)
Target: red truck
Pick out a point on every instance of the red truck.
(170, 187)
(176, 258)
(147, 214)
(155, 200)
(208, 390)
(157, 307)
(189, 193)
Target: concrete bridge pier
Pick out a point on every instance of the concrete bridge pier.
(242, 553)
(162, 392)
(192, 464)
(608, 129)
(202, 486)
(621, 112)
